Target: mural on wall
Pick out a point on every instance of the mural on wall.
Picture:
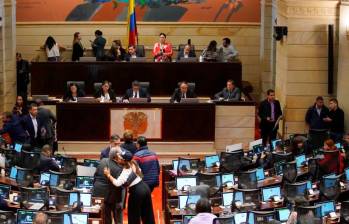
(147, 10)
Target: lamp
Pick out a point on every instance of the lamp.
(280, 32)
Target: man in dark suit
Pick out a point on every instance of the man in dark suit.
(229, 93)
(13, 126)
(32, 126)
(317, 118)
(48, 120)
(131, 53)
(136, 92)
(182, 92)
(114, 142)
(46, 161)
(269, 113)
(128, 144)
(22, 76)
(113, 196)
(187, 52)
(98, 45)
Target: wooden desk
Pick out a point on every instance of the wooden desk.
(269, 181)
(180, 122)
(9, 181)
(51, 77)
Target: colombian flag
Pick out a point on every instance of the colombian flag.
(132, 26)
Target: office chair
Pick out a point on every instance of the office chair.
(140, 51)
(56, 217)
(183, 165)
(224, 220)
(31, 195)
(344, 214)
(181, 47)
(231, 161)
(24, 177)
(191, 86)
(330, 192)
(313, 169)
(263, 217)
(64, 180)
(69, 165)
(62, 199)
(289, 172)
(247, 179)
(212, 180)
(145, 85)
(287, 157)
(292, 192)
(80, 84)
(11, 158)
(7, 217)
(30, 160)
(309, 214)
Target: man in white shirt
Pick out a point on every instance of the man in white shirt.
(136, 92)
(228, 50)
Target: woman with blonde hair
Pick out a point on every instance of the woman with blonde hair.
(78, 49)
(140, 207)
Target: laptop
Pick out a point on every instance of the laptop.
(189, 100)
(185, 181)
(79, 218)
(13, 173)
(84, 182)
(283, 214)
(275, 143)
(327, 207)
(346, 171)
(189, 59)
(86, 100)
(26, 216)
(91, 162)
(235, 147)
(260, 174)
(300, 160)
(270, 192)
(192, 200)
(73, 198)
(228, 179)
(187, 218)
(54, 180)
(5, 191)
(240, 218)
(138, 100)
(88, 59)
(18, 147)
(182, 201)
(256, 142)
(45, 179)
(138, 59)
(86, 199)
(228, 198)
(211, 161)
(40, 97)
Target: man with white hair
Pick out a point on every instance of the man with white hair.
(113, 196)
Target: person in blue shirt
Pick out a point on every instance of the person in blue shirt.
(12, 126)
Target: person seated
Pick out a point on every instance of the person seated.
(332, 162)
(116, 52)
(186, 52)
(73, 93)
(132, 53)
(162, 50)
(105, 94)
(40, 218)
(136, 92)
(229, 93)
(299, 146)
(47, 163)
(211, 54)
(20, 108)
(13, 126)
(114, 142)
(228, 50)
(182, 92)
(128, 142)
(203, 212)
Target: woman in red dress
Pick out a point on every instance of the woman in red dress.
(162, 50)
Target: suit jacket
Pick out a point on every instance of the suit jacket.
(234, 95)
(98, 47)
(29, 128)
(315, 121)
(143, 93)
(181, 54)
(100, 93)
(265, 111)
(78, 51)
(47, 119)
(47, 163)
(102, 186)
(177, 95)
(15, 129)
(22, 75)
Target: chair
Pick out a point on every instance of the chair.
(287, 157)
(251, 195)
(69, 165)
(313, 169)
(30, 160)
(290, 172)
(64, 180)
(56, 217)
(31, 196)
(7, 217)
(145, 85)
(344, 212)
(191, 86)
(231, 161)
(330, 187)
(62, 199)
(224, 220)
(309, 214)
(97, 86)
(292, 190)
(181, 47)
(80, 84)
(247, 179)
(213, 181)
(263, 217)
(24, 177)
(140, 52)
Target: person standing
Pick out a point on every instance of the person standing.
(336, 115)
(78, 49)
(48, 121)
(32, 125)
(12, 125)
(98, 45)
(162, 50)
(228, 50)
(114, 142)
(269, 113)
(148, 162)
(22, 76)
(52, 49)
(318, 122)
(128, 144)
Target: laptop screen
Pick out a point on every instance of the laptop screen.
(210, 161)
(18, 147)
(240, 218)
(260, 174)
(45, 179)
(182, 201)
(25, 216)
(327, 207)
(283, 214)
(228, 177)
(54, 180)
(91, 163)
(228, 198)
(84, 182)
(81, 218)
(239, 196)
(347, 174)
(269, 192)
(187, 218)
(86, 199)
(183, 164)
(193, 199)
(73, 197)
(300, 160)
(329, 182)
(13, 173)
(185, 181)
(37, 196)
(258, 149)
(5, 191)
(276, 143)
(66, 219)
(21, 174)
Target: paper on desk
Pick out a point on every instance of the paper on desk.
(85, 171)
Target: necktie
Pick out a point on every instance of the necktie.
(183, 95)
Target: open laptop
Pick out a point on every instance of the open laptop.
(18, 147)
(301, 160)
(283, 214)
(138, 100)
(240, 218)
(211, 161)
(327, 207)
(13, 173)
(78, 218)
(45, 179)
(269, 192)
(5, 191)
(260, 174)
(346, 171)
(182, 182)
(25, 216)
(189, 100)
(86, 199)
(253, 143)
(138, 59)
(40, 97)
(84, 182)
(235, 147)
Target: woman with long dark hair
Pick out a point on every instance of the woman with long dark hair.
(73, 93)
(140, 207)
(20, 107)
(52, 49)
(211, 52)
(116, 52)
(78, 49)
